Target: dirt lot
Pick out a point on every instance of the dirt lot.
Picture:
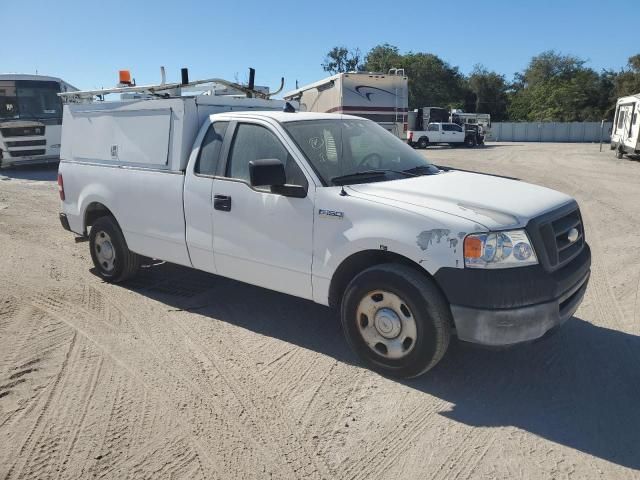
(186, 375)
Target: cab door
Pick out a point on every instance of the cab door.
(446, 133)
(260, 237)
(198, 205)
(456, 133)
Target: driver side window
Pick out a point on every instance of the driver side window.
(255, 142)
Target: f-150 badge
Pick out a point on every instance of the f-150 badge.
(331, 214)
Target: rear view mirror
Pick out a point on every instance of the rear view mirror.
(267, 172)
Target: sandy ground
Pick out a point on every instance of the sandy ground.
(180, 374)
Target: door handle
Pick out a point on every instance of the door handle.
(222, 202)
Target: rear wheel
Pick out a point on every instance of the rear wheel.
(112, 258)
(470, 141)
(396, 320)
(423, 143)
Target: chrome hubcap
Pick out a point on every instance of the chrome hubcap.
(386, 324)
(105, 253)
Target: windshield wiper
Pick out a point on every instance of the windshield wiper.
(343, 179)
(422, 170)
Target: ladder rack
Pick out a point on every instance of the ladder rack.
(165, 90)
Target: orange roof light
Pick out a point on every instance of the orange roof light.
(472, 247)
(125, 77)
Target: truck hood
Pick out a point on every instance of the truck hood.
(491, 201)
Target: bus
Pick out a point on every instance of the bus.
(30, 118)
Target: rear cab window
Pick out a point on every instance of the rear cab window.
(209, 157)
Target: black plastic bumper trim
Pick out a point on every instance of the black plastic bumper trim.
(65, 222)
(511, 287)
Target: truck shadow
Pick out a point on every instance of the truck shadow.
(579, 388)
(38, 173)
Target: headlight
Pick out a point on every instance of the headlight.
(499, 250)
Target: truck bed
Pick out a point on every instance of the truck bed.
(147, 203)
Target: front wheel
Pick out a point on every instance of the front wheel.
(396, 320)
(423, 143)
(112, 258)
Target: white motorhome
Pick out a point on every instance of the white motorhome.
(327, 207)
(383, 98)
(625, 133)
(30, 118)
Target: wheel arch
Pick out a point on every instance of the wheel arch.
(93, 211)
(360, 261)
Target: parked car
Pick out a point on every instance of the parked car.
(327, 207)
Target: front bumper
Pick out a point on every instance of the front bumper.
(505, 307)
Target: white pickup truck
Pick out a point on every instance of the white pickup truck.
(327, 207)
(438, 133)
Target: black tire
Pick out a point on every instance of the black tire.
(470, 141)
(426, 306)
(125, 263)
(423, 142)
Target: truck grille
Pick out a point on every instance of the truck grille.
(22, 131)
(550, 234)
(26, 143)
(27, 153)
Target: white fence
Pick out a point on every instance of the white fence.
(549, 132)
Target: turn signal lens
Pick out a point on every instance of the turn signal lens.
(472, 247)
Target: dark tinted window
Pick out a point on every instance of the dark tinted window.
(447, 127)
(254, 142)
(456, 128)
(30, 99)
(433, 128)
(210, 152)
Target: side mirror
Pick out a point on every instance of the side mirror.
(267, 172)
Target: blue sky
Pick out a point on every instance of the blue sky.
(86, 42)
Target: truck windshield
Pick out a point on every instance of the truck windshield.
(29, 99)
(339, 148)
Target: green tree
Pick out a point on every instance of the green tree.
(557, 87)
(489, 91)
(341, 60)
(627, 81)
(381, 58)
(433, 82)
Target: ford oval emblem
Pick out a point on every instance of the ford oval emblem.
(573, 235)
